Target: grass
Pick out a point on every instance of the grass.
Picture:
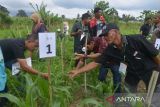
(31, 91)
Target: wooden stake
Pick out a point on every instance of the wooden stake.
(85, 75)
(50, 83)
(151, 87)
(62, 55)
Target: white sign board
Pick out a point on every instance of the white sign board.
(16, 66)
(157, 44)
(123, 68)
(47, 45)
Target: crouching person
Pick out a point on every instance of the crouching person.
(11, 51)
(95, 48)
(138, 57)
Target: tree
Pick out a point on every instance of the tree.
(63, 16)
(48, 17)
(21, 13)
(147, 13)
(126, 18)
(110, 14)
(5, 20)
(78, 16)
(103, 5)
(4, 10)
(158, 11)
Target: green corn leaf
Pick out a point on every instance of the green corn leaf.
(90, 101)
(13, 99)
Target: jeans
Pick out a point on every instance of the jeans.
(116, 75)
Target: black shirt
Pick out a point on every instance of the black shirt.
(145, 28)
(12, 49)
(78, 43)
(138, 54)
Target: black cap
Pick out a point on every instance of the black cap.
(109, 27)
(97, 9)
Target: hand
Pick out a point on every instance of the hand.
(77, 58)
(79, 31)
(73, 73)
(45, 75)
(80, 55)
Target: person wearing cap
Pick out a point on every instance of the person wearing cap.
(146, 27)
(78, 32)
(133, 53)
(97, 23)
(156, 30)
(38, 25)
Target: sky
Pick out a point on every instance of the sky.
(70, 8)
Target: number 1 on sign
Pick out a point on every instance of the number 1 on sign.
(47, 45)
(49, 49)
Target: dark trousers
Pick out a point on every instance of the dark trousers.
(133, 79)
(116, 75)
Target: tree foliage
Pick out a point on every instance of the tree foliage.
(5, 20)
(147, 13)
(21, 13)
(46, 15)
(4, 10)
(110, 14)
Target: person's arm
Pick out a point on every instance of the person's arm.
(42, 28)
(76, 30)
(157, 59)
(102, 59)
(93, 56)
(149, 50)
(146, 47)
(79, 32)
(25, 67)
(141, 28)
(86, 68)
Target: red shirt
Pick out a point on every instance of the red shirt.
(95, 26)
(93, 21)
(100, 45)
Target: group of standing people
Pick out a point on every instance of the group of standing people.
(96, 44)
(151, 27)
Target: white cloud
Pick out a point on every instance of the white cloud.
(134, 13)
(70, 8)
(135, 4)
(83, 4)
(70, 13)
